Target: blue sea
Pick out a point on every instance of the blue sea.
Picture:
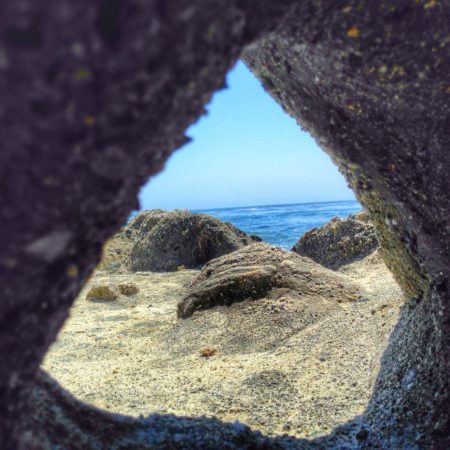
(282, 225)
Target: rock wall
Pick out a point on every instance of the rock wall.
(370, 82)
(96, 96)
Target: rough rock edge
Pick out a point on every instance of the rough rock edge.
(339, 241)
(73, 187)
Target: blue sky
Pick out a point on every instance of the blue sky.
(246, 151)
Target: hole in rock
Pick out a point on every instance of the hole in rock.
(280, 342)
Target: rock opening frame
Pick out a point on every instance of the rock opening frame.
(95, 97)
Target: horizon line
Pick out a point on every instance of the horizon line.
(248, 206)
(276, 204)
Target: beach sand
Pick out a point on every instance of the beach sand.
(133, 356)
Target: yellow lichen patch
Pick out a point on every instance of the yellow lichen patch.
(89, 120)
(72, 271)
(81, 74)
(347, 9)
(353, 32)
(354, 107)
(430, 4)
(102, 292)
(397, 70)
(382, 70)
(391, 72)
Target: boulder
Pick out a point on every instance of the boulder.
(261, 270)
(165, 241)
(109, 291)
(102, 292)
(339, 242)
(116, 253)
(128, 289)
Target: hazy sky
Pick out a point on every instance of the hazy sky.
(245, 152)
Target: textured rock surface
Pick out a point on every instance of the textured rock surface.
(371, 85)
(339, 242)
(164, 241)
(95, 96)
(259, 271)
(110, 291)
(160, 241)
(105, 292)
(116, 253)
(128, 289)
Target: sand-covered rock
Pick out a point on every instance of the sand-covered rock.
(261, 270)
(340, 241)
(128, 289)
(102, 292)
(109, 291)
(164, 241)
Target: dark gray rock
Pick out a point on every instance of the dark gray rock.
(164, 241)
(367, 81)
(339, 242)
(160, 241)
(97, 95)
(260, 270)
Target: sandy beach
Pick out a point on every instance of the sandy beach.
(271, 369)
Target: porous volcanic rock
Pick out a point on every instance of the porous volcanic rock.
(103, 292)
(128, 289)
(261, 270)
(164, 241)
(111, 291)
(95, 98)
(116, 252)
(339, 242)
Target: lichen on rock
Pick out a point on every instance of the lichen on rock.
(103, 292)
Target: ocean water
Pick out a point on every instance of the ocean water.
(282, 225)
